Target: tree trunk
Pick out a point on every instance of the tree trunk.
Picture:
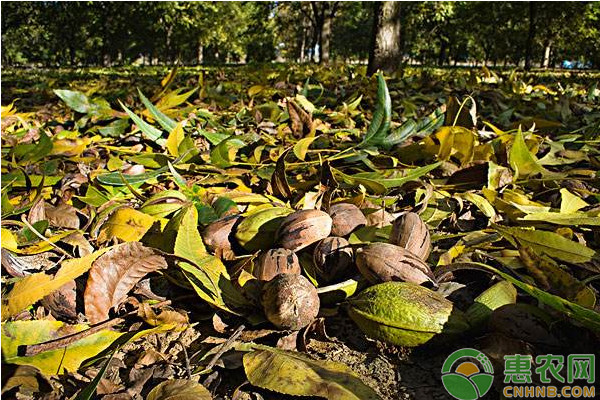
(303, 45)
(200, 55)
(530, 35)
(325, 38)
(385, 45)
(442, 53)
(547, 49)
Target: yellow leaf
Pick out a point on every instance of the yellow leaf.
(68, 147)
(522, 161)
(570, 203)
(301, 148)
(34, 287)
(174, 140)
(457, 142)
(69, 358)
(8, 110)
(294, 373)
(254, 90)
(8, 240)
(126, 224)
(45, 245)
(207, 274)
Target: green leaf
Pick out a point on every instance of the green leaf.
(223, 155)
(521, 160)
(421, 127)
(382, 117)
(583, 315)
(214, 137)
(116, 178)
(372, 185)
(572, 219)
(148, 130)
(41, 149)
(549, 243)
(90, 390)
(293, 373)
(167, 123)
(115, 128)
(377, 184)
(74, 99)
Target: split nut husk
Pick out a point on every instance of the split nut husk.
(333, 258)
(274, 262)
(303, 228)
(290, 301)
(384, 262)
(409, 231)
(405, 314)
(346, 218)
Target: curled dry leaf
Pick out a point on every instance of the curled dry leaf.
(116, 273)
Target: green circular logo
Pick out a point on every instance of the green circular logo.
(466, 380)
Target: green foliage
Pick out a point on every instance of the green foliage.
(117, 33)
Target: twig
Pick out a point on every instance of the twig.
(44, 238)
(34, 349)
(187, 360)
(225, 347)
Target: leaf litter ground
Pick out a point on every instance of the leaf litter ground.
(109, 177)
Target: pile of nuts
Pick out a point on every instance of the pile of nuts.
(283, 240)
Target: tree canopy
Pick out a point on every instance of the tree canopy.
(442, 33)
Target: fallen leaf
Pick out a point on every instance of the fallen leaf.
(179, 389)
(34, 287)
(53, 362)
(62, 216)
(293, 373)
(114, 274)
(549, 243)
(205, 272)
(174, 140)
(126, 224)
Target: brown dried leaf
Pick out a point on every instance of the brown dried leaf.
(36, 212)
(301, 121)
(279, 183)
(62, 216)
(62, 302)
(114, 274)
